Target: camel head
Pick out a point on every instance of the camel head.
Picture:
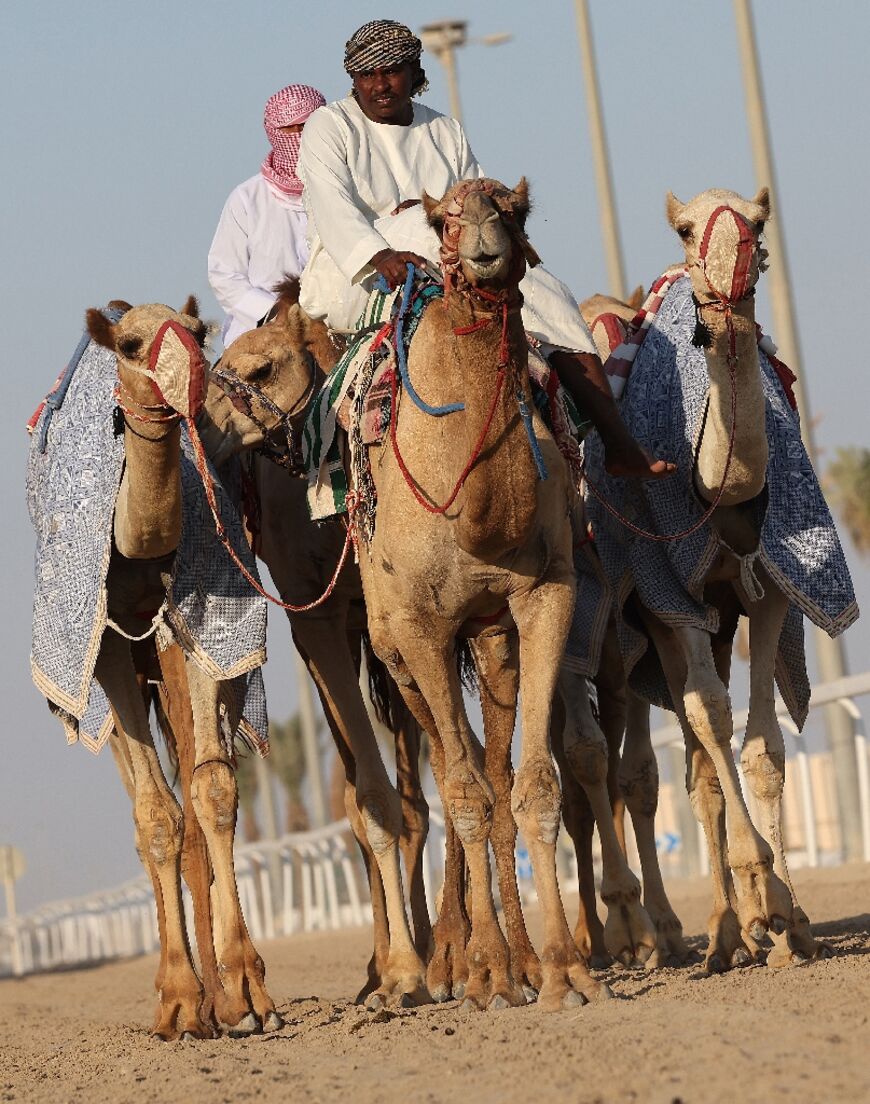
(481, 224)
(721, 233)
(265, 378)
(159, 350)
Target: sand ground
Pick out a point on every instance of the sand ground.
(797, 1035)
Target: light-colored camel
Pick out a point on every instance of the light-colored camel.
(753, 894)
(147, 530)
(601, 774)
(284, 360)
(505, 539)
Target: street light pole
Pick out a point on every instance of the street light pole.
(600, 157)
(443, 39)
(829, 653)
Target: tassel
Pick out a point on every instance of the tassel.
(701, 338)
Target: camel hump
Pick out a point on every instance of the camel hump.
(287, 290)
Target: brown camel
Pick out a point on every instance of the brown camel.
(147, 530)
(753, 894)
(284, 361)
(464, 527)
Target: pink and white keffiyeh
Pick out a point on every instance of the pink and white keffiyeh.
(292, 104)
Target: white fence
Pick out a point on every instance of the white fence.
(314, 881)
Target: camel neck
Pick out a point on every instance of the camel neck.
(500, 493)
(148, 508)
(748, 466)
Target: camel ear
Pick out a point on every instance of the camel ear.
(434, 209)
(191, 307)
(673, 207)
(520, 202)
(637, 297)
(119, 304)
(100, 329)
(762, 200)
(294, 321)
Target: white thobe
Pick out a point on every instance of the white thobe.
(260, 240)
(356, 172)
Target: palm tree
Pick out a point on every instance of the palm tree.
(287, 761)
(848, 482)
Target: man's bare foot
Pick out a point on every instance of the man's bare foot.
(630, 461)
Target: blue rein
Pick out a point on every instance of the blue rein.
(449, 408)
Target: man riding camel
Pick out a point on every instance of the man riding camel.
(366, 161)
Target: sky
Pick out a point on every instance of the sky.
(125, 127)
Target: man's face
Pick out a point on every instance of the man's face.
(385, 94)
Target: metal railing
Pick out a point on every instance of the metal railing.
(315, 881)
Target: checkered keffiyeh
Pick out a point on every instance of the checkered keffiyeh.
(380, 45)
(292, 104)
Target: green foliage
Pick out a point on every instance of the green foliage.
(848, 484)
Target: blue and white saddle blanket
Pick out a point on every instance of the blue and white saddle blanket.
(74, 472)
(663, 406)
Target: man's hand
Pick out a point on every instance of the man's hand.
(404, 205)
(393, 266)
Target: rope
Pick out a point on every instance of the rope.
(208, 487)
(664, 538)
(475, 452)
(401, 355)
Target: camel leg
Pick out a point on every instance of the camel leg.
(763, 761)
(243, 1005)
(159, 836)
(704, 711)
(195, 865)
(415, 818)
(639, 782)
(381, 928)
(496, 656)
(580, 826)
(403, 975)
(468, 796)
(542, 616)
(629, 935)
(447, 974)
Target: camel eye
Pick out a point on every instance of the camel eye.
(128, 347)
(685, 232)
(261, 374)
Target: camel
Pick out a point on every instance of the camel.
(635, 936)
(752, 890)
(433, 569)
(147, 530)
(278, 367)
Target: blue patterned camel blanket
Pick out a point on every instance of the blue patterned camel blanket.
(74, 471)
(663, 407)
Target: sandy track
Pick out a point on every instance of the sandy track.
(752, 1035)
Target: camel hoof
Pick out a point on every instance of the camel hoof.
(273, 1022)
(406, 1001)
(530, 994)
(825, 951)
(375, 1002)
(757, 929)
(247, 1025)
(799, 959)
(603, 993)
(440, 994)
(778, 924)
(459, 990)
(187, 1037)
(715, 965)
(468, 1005)
(741, 957)
(573, 999)
(497, 1003)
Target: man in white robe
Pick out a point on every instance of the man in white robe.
(366, 161)
(261, 237)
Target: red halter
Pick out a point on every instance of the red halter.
(746, 245)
